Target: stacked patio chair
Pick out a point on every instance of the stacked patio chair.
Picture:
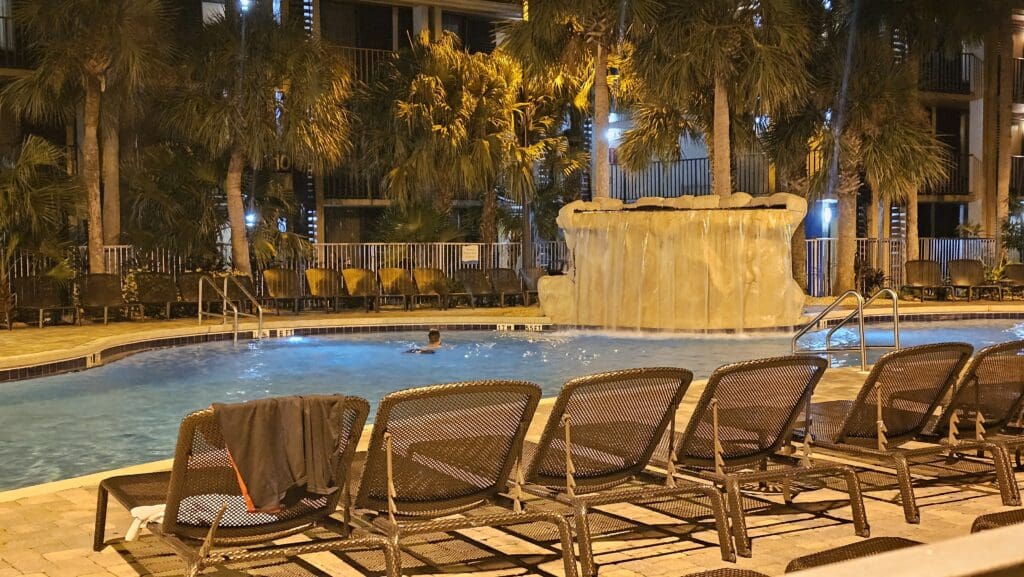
(156, 289)
(531, 278)
(101, 291)
(1013, 278)
(39, 295)
(282, 285)
(206, 521)
(506, 284)
(893, 407)
(475, 282)
(740, 426)
(326, 285)
(397, 283)
(598, 442)
(440, 458)
(361, 283)
(969, 275)
(924, 276)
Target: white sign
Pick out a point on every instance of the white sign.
(470, 253)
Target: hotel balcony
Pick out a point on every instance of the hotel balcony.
(950, 74)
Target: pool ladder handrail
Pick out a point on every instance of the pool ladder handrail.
(858, 314)
(227, 303)
(256, 306)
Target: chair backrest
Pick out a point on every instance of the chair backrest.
(360, 282)
(155, 288)
(1014, 272)
(203, 479)
(616, 421)
(37, 292)
(758, 403)
(396, 281)
(505, 280)
(234, 292)
(910, 383)
(475, 281)
(188, 286)
(453, 446)
(531, 276)
(966, 272)
(431, 281)
(923, 273)
(282, 283)
(992, 382)
(100, 290)
(325, 283)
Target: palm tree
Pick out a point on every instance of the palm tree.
(254, 88)
(82, 48)
(37, 197)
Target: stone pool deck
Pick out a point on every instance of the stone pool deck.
(47, 530)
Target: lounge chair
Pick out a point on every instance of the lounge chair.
(1013, 278)
(156, 289)
(101, 291)
(997, 520)
(397, 283)
(432, 283)
(241, 291)
(282, 285)
(858, 550)
(742, 423)
(361, 283)
(598, 442)
(476, 284)
(440, 455)
(188, 287)
(969, 275)
(924, 276)
(326, 285)
(893, 407)
(206, 521)
(39, 295)
(531, 278)
(728, 572)
(506, 283)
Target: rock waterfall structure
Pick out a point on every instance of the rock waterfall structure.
(690, 264)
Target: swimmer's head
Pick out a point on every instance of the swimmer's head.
(434, 337)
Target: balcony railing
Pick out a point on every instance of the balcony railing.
(1018, 80)
(12, 51)
(689, 177)
(366, 61)
(957, 180)
(344, 185)
(948, 74)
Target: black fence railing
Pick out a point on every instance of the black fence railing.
(12, 50)
(366, 61)
(1017, 176)
(686, 177)
(957, 181)
(950, 74)
(1018, 80)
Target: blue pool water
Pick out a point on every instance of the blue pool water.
(127, 412)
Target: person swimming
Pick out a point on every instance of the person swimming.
(433, 343)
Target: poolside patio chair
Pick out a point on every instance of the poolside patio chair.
(969, 275)
(506, 283)
(858, 550)
(156, 289)
(924, 276)
(39, 295)
(475, 282)
(188, 287)
(439, 460)
(997, 520)
(101, 291)
(397, 283)
(361, 283)
(206, 521)
(1013, 278)
(432, 283)
(282, 285)
(326, 285)
(893, 407)
(241, 291)
(741, 424)
(531, 278)
(727, 572)
(599, 439)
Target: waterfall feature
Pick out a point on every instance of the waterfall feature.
(688, 263)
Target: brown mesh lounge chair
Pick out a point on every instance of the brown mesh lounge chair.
(326, 285)
(101, 291)
(860, 549)
(439, 455)
(969, 275)
(156, 289)
(188, 287)
(361, 283)
(924, 276)
(206, 521)
(742, 422)
(432, 283)
(1013, 278)
(893, 407)
(241, 291)
(727, 572)
(997, 520)
(475, 282)
(598, 442)
(506, 284)
(397, 283)
(283, 285)
(531, 278)
(39, 295)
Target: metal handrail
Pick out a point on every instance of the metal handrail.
(252, 300)
(895, 321)
(223, 313)
(814, 323)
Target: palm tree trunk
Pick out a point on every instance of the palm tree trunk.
(489, 218)
(601, 182)
(799, 255)
(111, 176)
(528, 260)
(236, 213)
(913, 242)
(846, 249)
(721, 180)
(91, 174)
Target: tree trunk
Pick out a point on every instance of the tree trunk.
(600, 183)
(111, 176)
(489, 218)
(799, 255)
(846, 249)
(1002, 211)
(913, 242)
(528, 259)
(91, 174)
(236, 213)
(721, 180)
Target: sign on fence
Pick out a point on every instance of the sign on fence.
(471, 253)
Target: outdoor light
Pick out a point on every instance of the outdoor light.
(244, 5)
(250, 219)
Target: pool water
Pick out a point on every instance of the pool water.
(128, 412)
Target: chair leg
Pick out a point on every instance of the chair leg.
(860, 519)
(392, 557)
(739, 522)
(910, 510)
(40, 319)
(106, 315)
(721, 522)
(101, 519)
(1005, 478)
(586, 554)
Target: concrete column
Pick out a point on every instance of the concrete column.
(394, 29)
(316, 18)
(420, 19)
(318, 189)
(435, 25)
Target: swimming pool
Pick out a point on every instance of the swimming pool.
(128, 412)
